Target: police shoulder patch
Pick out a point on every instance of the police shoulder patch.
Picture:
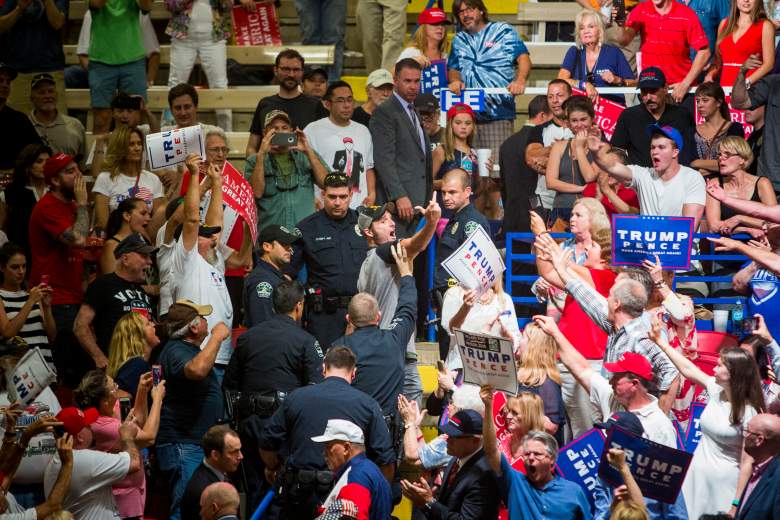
(470, 227)
(264, 290)
(454, 228)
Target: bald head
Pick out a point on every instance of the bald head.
(768, 425)
(217, 500)
(363, 310)
(459, 175)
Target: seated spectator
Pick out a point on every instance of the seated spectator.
(183, 104)
(379, 87)
(711, 105)
(219, 501)
(59, 131)
(592, 63)
(665, 189)
(427, 106)
(222, 455)
(570, 165)
(131, 346)
(94, 472)
(28, 185)
(613, 193)
(315, 82)
(457, 151)
(283, 177)
(734, 159)
(24, 314)
(756, 36)
(124, 177)
(100, 392)
(429, 42)
(343, 144)
(538, 492)
(468, 485)
(357, 478)
(16, 130)
(131, 216)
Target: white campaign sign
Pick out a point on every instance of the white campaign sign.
(487, 360)
(476, 264)
(172, 147)
(30, 377)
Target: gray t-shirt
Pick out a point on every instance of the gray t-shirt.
(380, 279)
(766, 92)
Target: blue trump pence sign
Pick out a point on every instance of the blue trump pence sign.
(640, 237)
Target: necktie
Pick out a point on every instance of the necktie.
(414, 116)
(453, 474)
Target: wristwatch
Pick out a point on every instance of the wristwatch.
(428, 507)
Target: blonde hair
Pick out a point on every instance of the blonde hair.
(538, 363)
(628, 510)
(449, 139)
(579, 19)
(61, 515)
(127, 341)
(531, 407)
(739, 146)
(420, 40)
(597, 213)
(118, 145)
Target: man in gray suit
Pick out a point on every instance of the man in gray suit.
(402, 152)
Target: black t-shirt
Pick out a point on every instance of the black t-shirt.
(518, 181)
(130, 372)
(111, 297)
(302, 110)
(361, 116)
(16, 132)
(631, 132)
(756, 141)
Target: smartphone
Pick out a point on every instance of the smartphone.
(284, 139)
(620, 16)
(124, 407)
(59, 430)
(156, 374)
(45, 279)
(749, 325)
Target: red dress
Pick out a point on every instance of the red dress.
(579, 329)
(734, 54)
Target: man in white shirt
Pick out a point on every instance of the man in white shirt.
(198, 261)
(345, 145)
(668, 188)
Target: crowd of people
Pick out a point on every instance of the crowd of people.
(199, 373)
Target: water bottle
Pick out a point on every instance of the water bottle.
(737, 317)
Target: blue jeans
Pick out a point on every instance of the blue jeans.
(177, 464)
(323, 22)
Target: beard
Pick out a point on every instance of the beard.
(211, 256)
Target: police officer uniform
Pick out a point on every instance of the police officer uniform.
(259, 285)
(459, 227)
(333, 251)
(304, 414)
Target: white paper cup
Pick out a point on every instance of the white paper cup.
(720, 320)
(483, 154)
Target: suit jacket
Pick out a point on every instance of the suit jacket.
(402, 167)
(190, 500)
(473, 495)
(764, 502)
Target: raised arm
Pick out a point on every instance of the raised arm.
(420, 240)
(191, 218)
(621, 206)
(62, 484)
(76, 235)
(198, 368)
(608, 161)
(570, 357)
(683, 364)
(489, 441)
(752, 250)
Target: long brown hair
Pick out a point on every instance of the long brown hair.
(538, 361)
(757, 14)
(449, 139)
(744, 382)
(420, 41)
(531, 409)
(118, 146)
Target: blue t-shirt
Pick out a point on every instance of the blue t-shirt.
(33, 32)
(765, 299)
(130, 372)
(710, 13)
(487, 60)
(190, 407)
(610, 59)
(559, 499)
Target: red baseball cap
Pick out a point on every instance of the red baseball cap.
(432, 16)
(75, 420)
(55, 163)
(634, 363)
(460, 108)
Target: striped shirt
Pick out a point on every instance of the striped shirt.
(32, 332)
(631, 337)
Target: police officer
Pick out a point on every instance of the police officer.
(381, 353)
(304, 478)
(332, 249)
(275, 254)
(262, 372)
(455, 193)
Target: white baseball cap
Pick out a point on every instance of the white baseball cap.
(379, 77)
(340, 430)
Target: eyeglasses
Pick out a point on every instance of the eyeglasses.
(291, 70)
(219, 149)
(746, 432)
(727, 155)
(467, 8)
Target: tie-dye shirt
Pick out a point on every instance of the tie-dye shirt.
(486, 59)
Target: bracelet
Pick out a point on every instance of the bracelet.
(543, 232)
(407, 426)
(735, 502)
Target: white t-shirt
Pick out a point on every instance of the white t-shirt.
(658, 428)
(16, 512)
(42, 447)
(89, 496)
(123, 187)
(164, 252)
(193, 278)
(414, 52)
(347, 149)
(201, 17)
(666, 198)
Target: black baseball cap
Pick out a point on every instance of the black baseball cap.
(207, 231)
(133, 243)
(313, 71)
(123, 100)
(43, 77)
(281, 234)
(465, 423)
(367, 215)
(652, 77)
(12, 73)
(426, 103)
(625, 421)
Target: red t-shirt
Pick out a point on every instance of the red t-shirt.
(667, 39)
(581, 331)
(63, 263)
(627, 195)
